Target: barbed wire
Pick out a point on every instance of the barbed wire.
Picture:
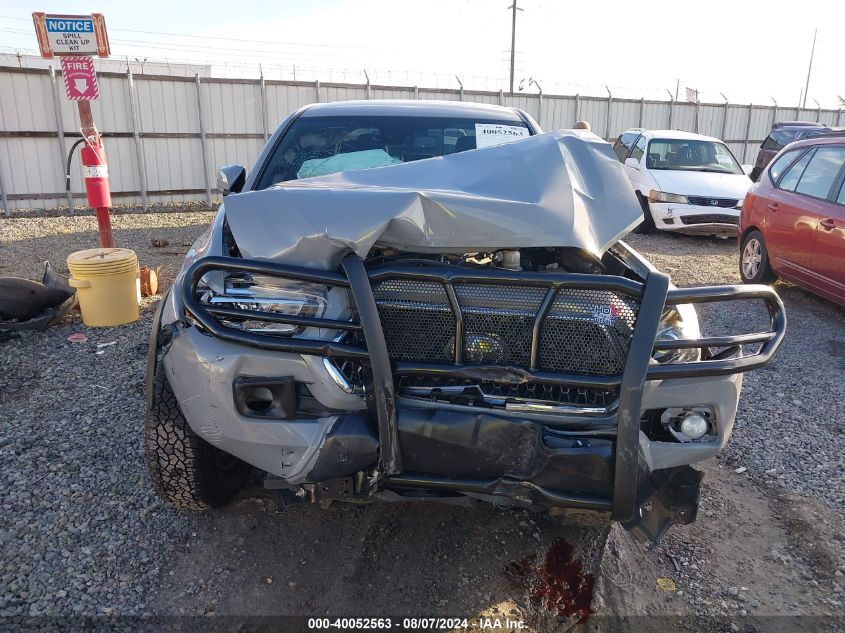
(313, 66)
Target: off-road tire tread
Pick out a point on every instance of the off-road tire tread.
(180, 462)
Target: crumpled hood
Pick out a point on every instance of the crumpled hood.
(563, 188)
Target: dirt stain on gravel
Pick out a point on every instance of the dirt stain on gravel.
(558, 584)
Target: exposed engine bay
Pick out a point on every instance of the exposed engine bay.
(572, 260)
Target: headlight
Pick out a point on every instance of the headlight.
(678, 322)
(272, 295)
(662, 196)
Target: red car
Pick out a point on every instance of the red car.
(792, 223)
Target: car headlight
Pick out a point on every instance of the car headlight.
(678, 322)
(662, 196)
(268, 294)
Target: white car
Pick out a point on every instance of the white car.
(687, 183)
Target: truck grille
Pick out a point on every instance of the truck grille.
(563, 395)
(703, 201)
(583, 332)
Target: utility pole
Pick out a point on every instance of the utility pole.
(809, 69)
(514, 9)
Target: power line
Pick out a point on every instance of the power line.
(227, 39)
(201, 48)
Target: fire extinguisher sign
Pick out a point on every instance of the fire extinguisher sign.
(80, 78)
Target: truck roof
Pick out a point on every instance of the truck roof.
(410, 107)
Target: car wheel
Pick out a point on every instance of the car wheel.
(186, 470)
(647, 224)
(754, 265)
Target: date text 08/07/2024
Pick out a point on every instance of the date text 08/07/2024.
(416, 623)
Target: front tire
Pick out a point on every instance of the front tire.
(186, 470)
(647, 225)
(754, 267)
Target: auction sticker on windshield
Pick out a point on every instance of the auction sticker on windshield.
(489, 134)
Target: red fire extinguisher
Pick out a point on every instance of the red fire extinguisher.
(95, 170)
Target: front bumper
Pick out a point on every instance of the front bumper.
(603, 462)
(693, 219)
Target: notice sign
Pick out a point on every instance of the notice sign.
(489, 134)
(80, 78)
(71, 34)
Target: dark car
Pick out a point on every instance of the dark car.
(792, 223)
(783, 133)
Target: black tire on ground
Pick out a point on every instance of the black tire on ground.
(186, 470)
(754, 267)
(647, 225)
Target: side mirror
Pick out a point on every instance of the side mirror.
(231, 179)
(633, 163)
(747, 169)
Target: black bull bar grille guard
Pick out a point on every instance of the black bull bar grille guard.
(652, 296)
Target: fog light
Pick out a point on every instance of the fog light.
(259, 397)
(694, 426)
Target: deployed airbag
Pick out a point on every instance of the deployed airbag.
(350, 161)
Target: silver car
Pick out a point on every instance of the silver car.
(413, 299)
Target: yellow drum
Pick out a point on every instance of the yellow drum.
(107, 283)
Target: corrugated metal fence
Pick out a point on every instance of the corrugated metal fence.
(166, 136)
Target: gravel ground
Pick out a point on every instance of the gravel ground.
(83, 533)
(81, 523)
(27, 240)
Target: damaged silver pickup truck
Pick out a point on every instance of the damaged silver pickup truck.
(409, 300)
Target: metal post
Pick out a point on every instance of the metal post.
(3, 195)
(839, 117)
(60, 129)
(540, 108)
(671, 109)
(136, 132)
(697, 114)
(810, 68)
(514, 9)
(416, 92)
(501, 97)
(724, 117)
(747, 133)
(577, 107)
(317, 91)
(461, 84)
(263, 88)
(774, 112)
(607, 118)
(642, 109)
(206, 179)
(369, 92)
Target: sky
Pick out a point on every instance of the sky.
(750, 51)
